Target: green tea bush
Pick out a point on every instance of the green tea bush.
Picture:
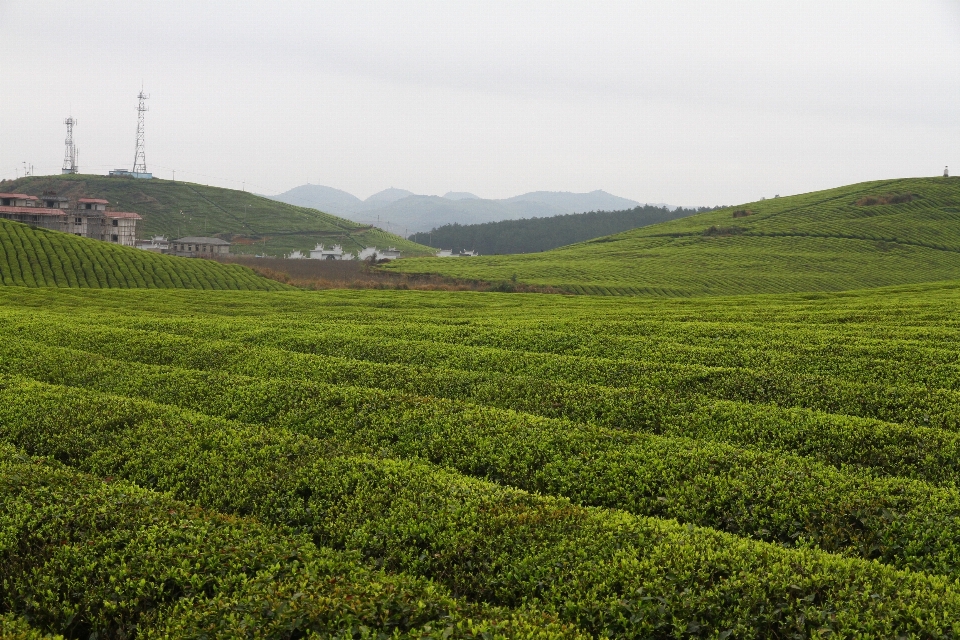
(608, 572)
(91, 558)
(41, 258)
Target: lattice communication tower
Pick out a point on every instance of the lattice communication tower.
(140, 160)
(70, 155)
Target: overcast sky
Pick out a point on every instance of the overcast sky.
(693, 103)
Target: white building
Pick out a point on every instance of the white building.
(378, 254)
(333, 253)
(296, 254)
(156, 244)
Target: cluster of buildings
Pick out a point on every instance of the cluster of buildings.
(85, 217)
(336, 252)
(91, 218)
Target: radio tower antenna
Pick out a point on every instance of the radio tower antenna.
(70, 155)
(140, 160)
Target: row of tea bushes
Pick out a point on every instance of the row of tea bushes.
(107, 559)
(608, 572)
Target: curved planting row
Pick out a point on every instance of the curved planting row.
(770, 496)
(39, 258)
(663, 404)
(608, 572)
(89, 558)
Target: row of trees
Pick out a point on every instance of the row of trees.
(529, 235)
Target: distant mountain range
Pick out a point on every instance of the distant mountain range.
(405, 212)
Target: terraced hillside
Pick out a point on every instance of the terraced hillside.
(32, 257)
(425, 464)
(252, 223)
(866, 235)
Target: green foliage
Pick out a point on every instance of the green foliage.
(823, 241)
(15, 628)
(530, 235)
(42, 258)
(768, 466)
(107, 559)
(257, 224)
(594, 568)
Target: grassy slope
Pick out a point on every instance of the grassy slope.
(819, 241)
(41, 258)
(242, 216)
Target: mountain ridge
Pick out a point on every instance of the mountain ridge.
(403, 211)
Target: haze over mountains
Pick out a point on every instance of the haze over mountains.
(400, 211)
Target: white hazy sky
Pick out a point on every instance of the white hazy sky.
(694, 103)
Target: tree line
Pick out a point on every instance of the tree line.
(529, 235)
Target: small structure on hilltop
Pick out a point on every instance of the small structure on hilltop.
(448, 253)
(946, 172)
(89, 218)
(199, 247)
(296, 254)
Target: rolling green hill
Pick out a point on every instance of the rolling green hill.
(529, 235)
(253, 224)
(871, 234)
(41, 258)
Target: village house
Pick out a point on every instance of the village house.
(88, 219)
(198, 247)
(333, 253)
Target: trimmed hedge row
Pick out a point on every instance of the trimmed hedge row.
(32, 257)
(927, 454)
(769, 496)
(608, 572)
(111, 560)
(640, 407)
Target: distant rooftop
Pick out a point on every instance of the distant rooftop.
(18, 196)
(93, 201)
(200, 240)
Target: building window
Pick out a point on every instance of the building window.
(78, 221)
(116, 222)
(114, 238)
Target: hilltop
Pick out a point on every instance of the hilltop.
(253, 224)
(32, 257)
(405, 210)
(885, 232)
(530, 235)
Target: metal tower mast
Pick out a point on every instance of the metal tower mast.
(140, 160)
(70, 156)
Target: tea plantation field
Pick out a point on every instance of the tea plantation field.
(373, 464)
(872, 234)
(31, 257)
